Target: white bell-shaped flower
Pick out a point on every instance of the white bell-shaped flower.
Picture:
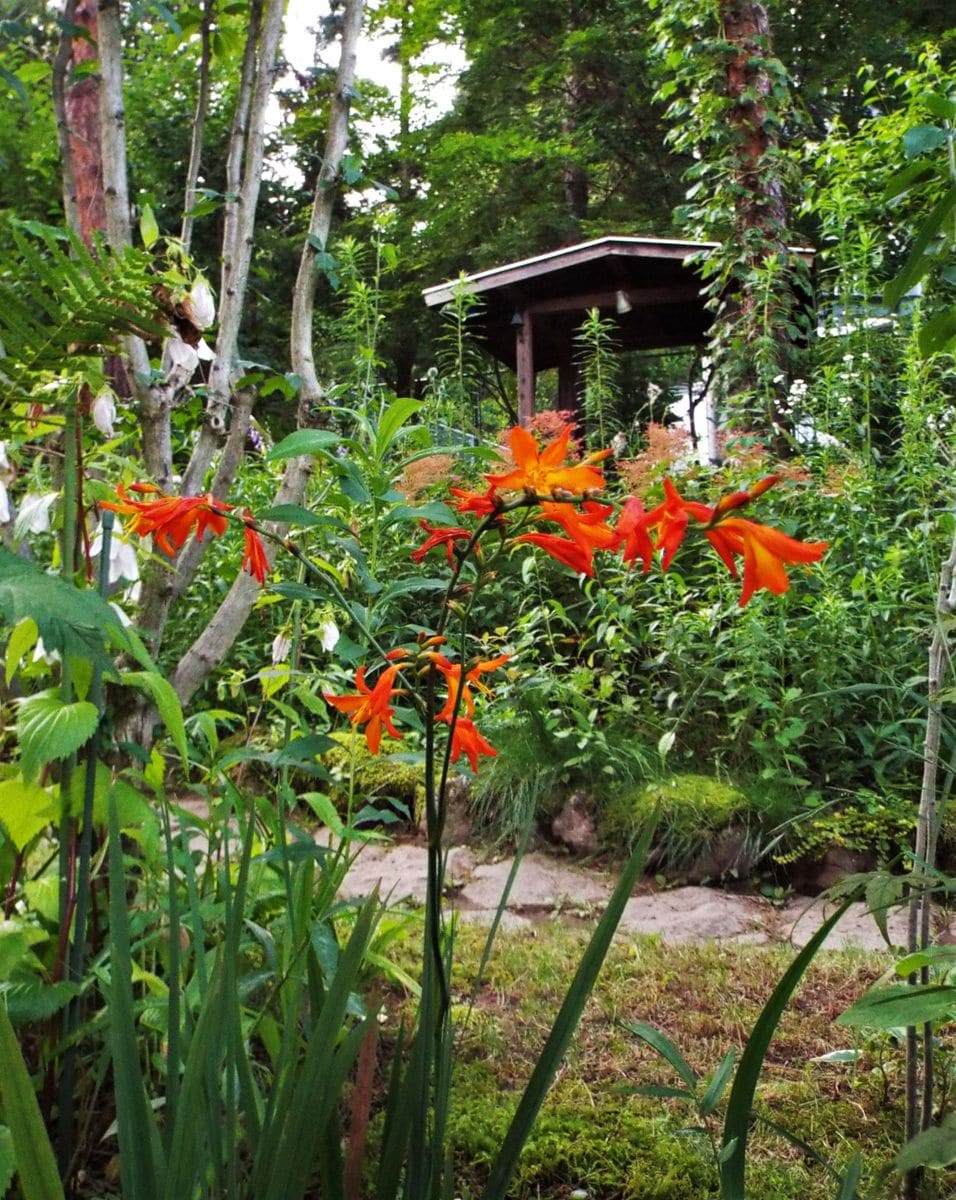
(103, 412)
(200, 305)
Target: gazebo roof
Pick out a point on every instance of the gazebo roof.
(644, 284)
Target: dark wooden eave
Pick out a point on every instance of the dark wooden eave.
(532, 309)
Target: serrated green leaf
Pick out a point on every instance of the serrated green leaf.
(934, 1148)
(32, 1000)
(303, 443)
(72, 622)
(49, 729)
(25, 810)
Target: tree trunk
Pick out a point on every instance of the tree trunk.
(83, 161)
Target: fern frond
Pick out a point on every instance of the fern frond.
(64, 298)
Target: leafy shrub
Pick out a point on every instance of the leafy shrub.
(865, 821)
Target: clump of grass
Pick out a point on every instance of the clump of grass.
(705, 998)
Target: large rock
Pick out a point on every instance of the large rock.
(695, 914)
(575, 827)
(542, 882)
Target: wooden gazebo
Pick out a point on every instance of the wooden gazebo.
(532, 309)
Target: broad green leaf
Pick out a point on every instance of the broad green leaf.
(850, 1180)
(21, 642)
(939, 105)
(25, 810)
(303, 442)
(901, 1005)
(49, 729)
(303, 749)
(8, 1162)
(934, 1148)
(883, 891)
(923, 139)
(14, 948)
(437, 513)
(938, 335)
(148, 228)
(395, 416)
(666, 1049)
(72, 622)
(36, 1164)
(32, 1000)
(918, 261)
(930, 957)
(293, 514)
(163, 695)
(405, 587)
(912, 174)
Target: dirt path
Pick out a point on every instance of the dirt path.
(548, 887)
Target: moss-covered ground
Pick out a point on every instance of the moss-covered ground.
(594, 1138)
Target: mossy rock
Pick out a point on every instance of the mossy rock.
(383, 781)
(692, 811)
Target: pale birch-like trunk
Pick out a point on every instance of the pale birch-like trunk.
(214, 643)
(919, 1043)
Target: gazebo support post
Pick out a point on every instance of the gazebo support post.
(569, 382)
(524, 355)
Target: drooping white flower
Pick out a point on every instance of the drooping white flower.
(124, 620)
(330, 635)
(179, 354)
(205, 351)
(4, 461)
(123, 561)
(4, 504)
(34, 514)
(200, 305)
(103, 412)
(40, 652)
(281, 645)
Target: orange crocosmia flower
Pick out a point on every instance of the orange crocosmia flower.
(765, 552)
(254, 556)
(545, 472)
(452, 673)
(437, 536)
(371, 706)
(586, 525)
(572, 554)
(738, 499)
(671, 519)
(466, 739)
(170, 519)
(631, 534)
(479, 503)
